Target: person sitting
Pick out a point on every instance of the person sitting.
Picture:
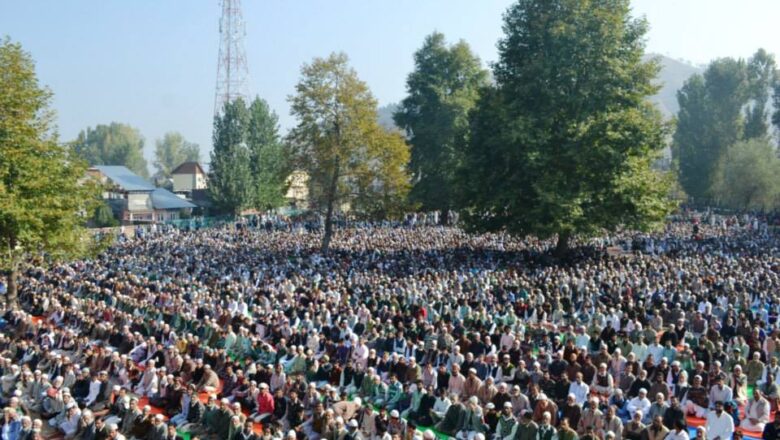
(719, 424)
(634, 429)
(696, 399)
(620, 403)
(265, 404)
(472, 422)
(592, 417)
(602, 382)
(639, 403)
(680, 432)
(756, 413)
(719, 392)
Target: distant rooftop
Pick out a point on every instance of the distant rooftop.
(129, 181)
(164, 199)
(188, 168)
(124, 178)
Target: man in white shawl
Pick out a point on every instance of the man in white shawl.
(756, 413)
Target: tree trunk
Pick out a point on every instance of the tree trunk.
(328, 227)
(11, 295)
(444, 218)
(562, 246)
(329, 210)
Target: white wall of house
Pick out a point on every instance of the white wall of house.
(139, 201)
(183, 182)
(188, 182)
(166, 214)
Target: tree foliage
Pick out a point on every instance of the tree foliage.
(442, 89)
(776, 105)
(171, 151)
(113, 144)
(249, 164)
(748, 176)
(103, 217)
(42, 202)
(268, 157)
(726, 104)
(564, 142)
(350, 159)
(761, 77)
(230, 174)
(710, 119)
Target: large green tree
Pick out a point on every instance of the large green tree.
(42, 202)
(230, 175)
(350, 159)
(709, 121)
(113, 144)
(761, 77)
(776, 105)
(249, 163)
(268, 157)
(171, 151)
(563, 144)
(442, 89)
(748, 176)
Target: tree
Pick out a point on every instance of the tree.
(776, 105)
(761, 77)
(113, 144)
(563, 144)
(103, 217)
(340, 144)
(442, 89)
(171, 151)
(42, 202)
(710, 119)
(268, 158)
(748, 176)
(230, 175)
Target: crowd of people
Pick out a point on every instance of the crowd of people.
(400, 332)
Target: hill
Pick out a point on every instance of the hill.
(671, 78)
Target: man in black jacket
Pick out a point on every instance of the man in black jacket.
(80, 388)
(248, 433)
(86, 429)
(194, 415)
(423, 414)
(101, 430)
(772, 430)
(673, 414)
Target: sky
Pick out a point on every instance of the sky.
(152, 63)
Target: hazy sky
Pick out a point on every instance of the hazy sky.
(152, 63)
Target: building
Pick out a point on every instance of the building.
(297, 195)
(188, 177)
(135, 200)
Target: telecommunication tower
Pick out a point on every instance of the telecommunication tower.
(232, 70)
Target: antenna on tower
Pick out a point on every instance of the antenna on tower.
(232, 70)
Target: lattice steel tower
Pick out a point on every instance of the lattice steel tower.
(232, 70)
